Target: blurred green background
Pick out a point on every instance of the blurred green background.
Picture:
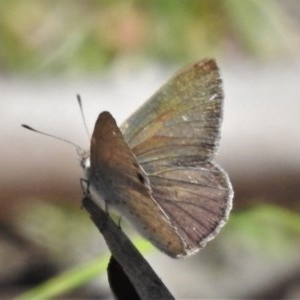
(70, 47)
(86, 36)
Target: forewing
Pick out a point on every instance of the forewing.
(174, 136)
(183, 116)
(119, 180)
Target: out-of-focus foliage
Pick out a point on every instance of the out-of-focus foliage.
(76, 36)
(268, 230)
(66, 231)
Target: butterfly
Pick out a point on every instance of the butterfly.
(157, 169)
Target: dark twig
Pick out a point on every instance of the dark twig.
(148, 285)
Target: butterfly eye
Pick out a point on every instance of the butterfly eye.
(85, 163)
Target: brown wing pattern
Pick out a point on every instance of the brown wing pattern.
(184, 116)
(118, 179)
(175, 136)
(196, 198)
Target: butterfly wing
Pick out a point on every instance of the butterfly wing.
(174, 136)
(196, 197)
(183, 117)
(116, 178)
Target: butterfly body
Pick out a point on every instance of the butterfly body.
(117, 179)
(157, 169)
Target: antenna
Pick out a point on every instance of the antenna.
(82, 115)
(53, 136)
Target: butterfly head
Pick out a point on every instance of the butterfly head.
(84, 158)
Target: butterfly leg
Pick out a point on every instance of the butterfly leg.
(85, 186)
